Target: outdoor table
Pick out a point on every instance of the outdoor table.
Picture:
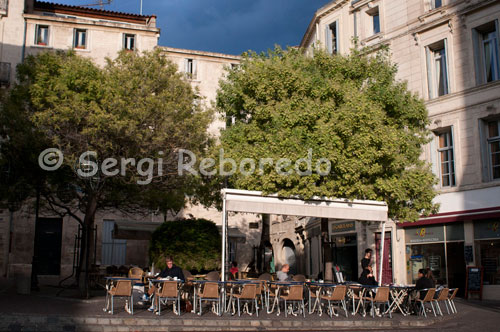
(109, 284)
(279, 285)
(371, 289)
(398, 295)
(159, 283)
(320, 288)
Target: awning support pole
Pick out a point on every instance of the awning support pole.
(382, 242)
(224, 240)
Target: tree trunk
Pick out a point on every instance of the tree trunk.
(86, 248)
(327, 250)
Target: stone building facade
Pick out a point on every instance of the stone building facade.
(448, 53)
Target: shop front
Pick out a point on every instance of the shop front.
(487, 248)
(437, 247)
(343, 241)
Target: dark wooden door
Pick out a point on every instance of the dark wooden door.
(47, 253)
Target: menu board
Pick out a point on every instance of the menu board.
(474, 281)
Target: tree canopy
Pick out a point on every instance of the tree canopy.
(132, 116)
(348, 110)
(195, 244)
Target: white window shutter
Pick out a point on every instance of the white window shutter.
(328, 36)
(434, 156)
(476, 46)
(430, 82)
(498, 46)
(337, 36)
(447, 64)
(195, 69)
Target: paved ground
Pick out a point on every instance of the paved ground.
(44, 311)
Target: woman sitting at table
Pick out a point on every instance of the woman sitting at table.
(234, 270)
(283, 274)
(367, 278)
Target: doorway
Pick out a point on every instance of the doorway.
(387, 262)
(456, 266)
(47, 251)
(289, 255)
(345, 255)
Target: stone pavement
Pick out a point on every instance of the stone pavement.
(44, 311)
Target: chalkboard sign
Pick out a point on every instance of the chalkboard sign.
(474, 281)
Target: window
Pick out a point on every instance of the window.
(437, 69)
(375, 17)
(486, 52)
(436, 4)
(42, 35)
(129, 42)
(113, 250)
(446, 158)
(80, 39)
(190, 68)
(332, 43)
(493, 139)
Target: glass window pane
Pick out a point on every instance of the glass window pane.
(493, 129)
(427, 256)
(490, 261)
(376, 23)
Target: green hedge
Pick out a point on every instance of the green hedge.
(195, 244)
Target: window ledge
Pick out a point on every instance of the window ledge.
(376, 36)
(440, 10)
(42, 46)
(481, 87)
(86, 50)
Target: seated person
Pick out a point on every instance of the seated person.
(171, 271)
(367, 278)
(423, 283)
(283, 274)
(234, 270)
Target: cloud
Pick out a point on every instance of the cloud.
(227, 26)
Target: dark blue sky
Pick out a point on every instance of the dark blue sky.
(227, 26)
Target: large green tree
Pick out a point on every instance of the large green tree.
(349, 110)
(138, 106)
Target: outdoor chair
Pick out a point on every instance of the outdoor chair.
(381, 297)
(429, 297)
(312, 297)
(248, 294)
(122, 288)
(451, 301)
(295, 295)
(187, 275)
(135, 272)
(442, 297)
(266, 276)
(213, 276)
(356, 294)
(299, 277)
(168, 291)
(337, 296)
(210, 293)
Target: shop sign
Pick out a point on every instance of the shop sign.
(487, 229)
(424, 234)
(343, 227)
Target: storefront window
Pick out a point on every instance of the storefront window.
(490, 261)
(421, 256)
(487, 235)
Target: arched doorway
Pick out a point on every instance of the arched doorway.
(288, 254)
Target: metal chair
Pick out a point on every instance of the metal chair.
(248, 294)
(213, 276)
(451, 301)
(356, 294)
(122, 288)
(429, 297)
(168, 291)
(337, 296)
(442, 297)
(381, 297)
(210, 293)
(295, 295)
(299, 277)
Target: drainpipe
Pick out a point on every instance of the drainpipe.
(24, 40)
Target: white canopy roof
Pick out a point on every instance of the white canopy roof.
(255, 202)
